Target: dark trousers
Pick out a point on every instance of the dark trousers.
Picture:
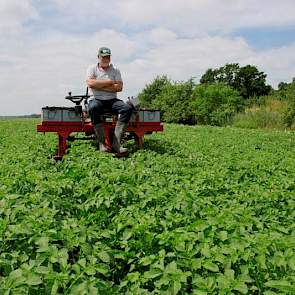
(97, 108)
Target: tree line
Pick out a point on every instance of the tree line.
(218, 97)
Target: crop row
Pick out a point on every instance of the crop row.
(200, 210)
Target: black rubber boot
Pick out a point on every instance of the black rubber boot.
(100, 135)
(119, 130)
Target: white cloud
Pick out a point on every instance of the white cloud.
(199, 17)
(38, 68)
(279, 63)
(187, 17)
(36, 72)
(98, 13)
(46, 68)
(13, 13)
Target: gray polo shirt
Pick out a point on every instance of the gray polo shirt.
(111, 73)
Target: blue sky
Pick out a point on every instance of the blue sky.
(267, 38)
(46, 46)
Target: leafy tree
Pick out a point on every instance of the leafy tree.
(152, 90)
(175, 103)
(209, 77)
(226, 74)
(282, 86)
(215, 104)
(250, 82)
(247, 80)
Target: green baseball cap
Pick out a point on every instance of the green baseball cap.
(104, 51)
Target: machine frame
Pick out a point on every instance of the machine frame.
(136, 129)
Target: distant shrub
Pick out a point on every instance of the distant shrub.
(149, 94)
(289, 112)
(216, 104)
(176, 102)
(219, 103)
(282, 101)
(261, 118)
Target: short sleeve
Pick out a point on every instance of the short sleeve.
(90, 72)
(118, 76)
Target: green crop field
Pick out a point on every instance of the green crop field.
(199, 210)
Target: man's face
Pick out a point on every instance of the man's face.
(104, 61)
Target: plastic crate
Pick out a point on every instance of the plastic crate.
(60, 114)
(146, 116)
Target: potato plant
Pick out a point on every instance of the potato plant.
(200, 210)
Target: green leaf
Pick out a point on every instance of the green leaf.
(120, 256)
(79, 289)
(223, 235)
(104, 256)
(43, 244)
(54, 288)
(147, 260)
(82, 262)
(206, 250)
(230, 274)
(42, 269)
(102, 268)
(106, 234)
(153, 273)
(176, 286)
(17, 277)
(133, 276)
(241, 287)
(281, 285)
(16, 274)
(63, 257)
(162, 253)
(211, 266)
(261, 261)
(33, 279)
(163, 281)
(196, 263)
(92, 290)
(291, 263)
(282, 229)
(171, 267)
(223, 282)
(126, 235)
(90, 270)
(277, 283)
(199, 292)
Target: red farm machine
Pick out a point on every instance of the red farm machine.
(67, 120)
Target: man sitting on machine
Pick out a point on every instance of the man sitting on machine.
(104, 80)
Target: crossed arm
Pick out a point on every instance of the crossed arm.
(105, 85)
